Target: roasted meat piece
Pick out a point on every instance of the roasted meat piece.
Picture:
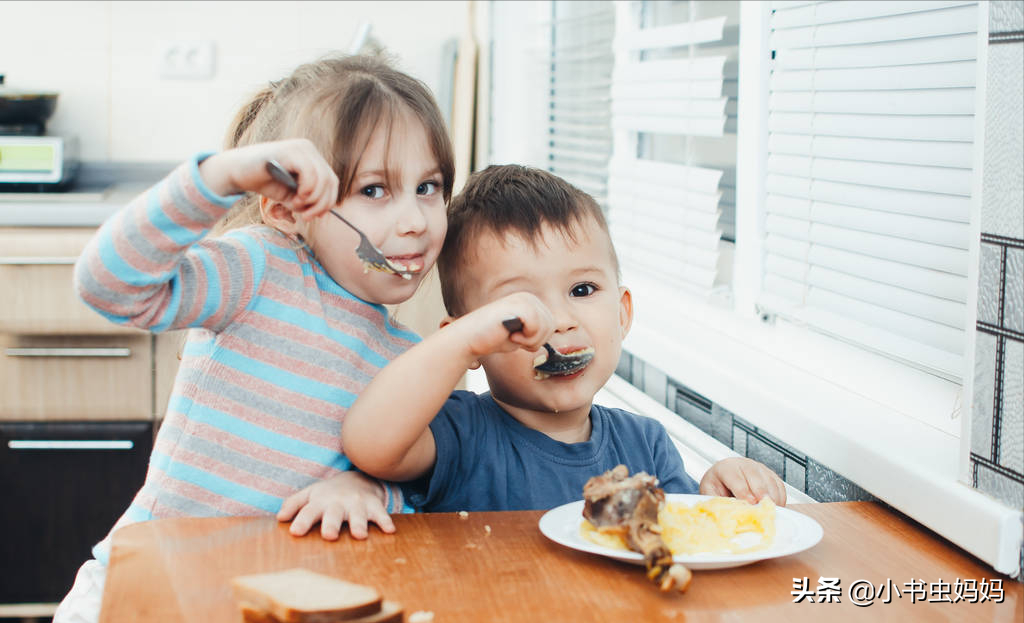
(618, 503)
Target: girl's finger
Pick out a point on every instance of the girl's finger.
(357, 523)
(379, 515)
(292, 504)
(330, 524)
(305, 520)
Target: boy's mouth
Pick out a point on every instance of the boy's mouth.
(568, 362)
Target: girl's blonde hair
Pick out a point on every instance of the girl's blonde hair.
(337, 102)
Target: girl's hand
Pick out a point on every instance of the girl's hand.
(743, 478)
(349, 496)
(485, 335)
(244, 169)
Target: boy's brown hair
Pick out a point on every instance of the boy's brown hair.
(507, 200)
(336, 102)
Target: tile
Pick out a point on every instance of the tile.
(796, 474)
(984, 388)
(625, 367)
(762, 452)
(655, 384)
(1011, 433)
(739, 441)
(824, 485)
(1001, 487)
(989, 289)
(1013, 297)
(785, 446)
(694, 414)
(636, 375)
(1005, 16)
(1003, 176)
(722, 424)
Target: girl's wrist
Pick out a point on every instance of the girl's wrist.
(216, 177)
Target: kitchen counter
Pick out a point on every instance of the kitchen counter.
(99, 190)
(498, 566)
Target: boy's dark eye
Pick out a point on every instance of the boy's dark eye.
(373, 192)
(583, 289)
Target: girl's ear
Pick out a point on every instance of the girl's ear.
(278, 216)
(625, 310)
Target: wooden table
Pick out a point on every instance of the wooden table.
(179, 570)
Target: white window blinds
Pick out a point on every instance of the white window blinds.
(668, 95)
(868, 182)
(579, 132)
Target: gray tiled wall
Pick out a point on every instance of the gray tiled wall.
(997, 412)
(792, 465)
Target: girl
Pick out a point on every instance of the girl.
(287, 324)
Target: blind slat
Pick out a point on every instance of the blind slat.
(674, 35)
(952, 21)
(930, 153)
(958, 74)
(908, 52)
(842, 11)
(927, 128)
(901, 176)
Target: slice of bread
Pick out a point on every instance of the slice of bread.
(303, 596)
(390, 612)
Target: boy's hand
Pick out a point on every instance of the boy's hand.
(743, 478)
(485, 334)
(244, 169)
(349, 496)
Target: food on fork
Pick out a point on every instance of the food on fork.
(303, 596)
(617, 503)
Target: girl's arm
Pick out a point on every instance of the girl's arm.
(386, 431)
(148, 266)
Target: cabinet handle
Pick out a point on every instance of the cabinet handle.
(77, 444)
(69, 352)
(14, 260)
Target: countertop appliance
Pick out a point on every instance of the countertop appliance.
(30, 159)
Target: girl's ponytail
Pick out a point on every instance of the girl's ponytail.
(240, 125)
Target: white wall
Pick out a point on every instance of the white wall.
(102, 57)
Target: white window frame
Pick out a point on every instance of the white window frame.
(892, 429)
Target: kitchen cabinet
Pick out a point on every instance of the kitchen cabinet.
(64, 485)
(80, 401)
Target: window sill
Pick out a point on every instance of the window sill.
(885, 427)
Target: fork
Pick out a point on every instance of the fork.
(556, 363)
(371, 256)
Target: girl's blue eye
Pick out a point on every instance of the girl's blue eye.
(372, 192)
(583, 289)
(427, 188)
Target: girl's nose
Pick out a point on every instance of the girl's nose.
(411, 220)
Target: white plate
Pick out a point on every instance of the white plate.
(794, 533)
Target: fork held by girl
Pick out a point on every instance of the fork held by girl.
(285, 326)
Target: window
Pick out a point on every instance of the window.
(870, 129)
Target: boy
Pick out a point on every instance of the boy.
(521, 243)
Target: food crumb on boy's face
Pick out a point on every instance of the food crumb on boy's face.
(578, 283)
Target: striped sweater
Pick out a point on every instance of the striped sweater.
(276, 353)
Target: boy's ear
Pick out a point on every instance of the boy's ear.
(625, 310)
(278, 216)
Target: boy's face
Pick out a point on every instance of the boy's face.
(578, 283)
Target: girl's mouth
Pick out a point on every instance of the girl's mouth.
(410, 263)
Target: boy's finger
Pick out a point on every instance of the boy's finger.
(292, 504)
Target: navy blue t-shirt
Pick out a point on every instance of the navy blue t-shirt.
(488, 461)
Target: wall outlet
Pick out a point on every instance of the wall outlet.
(187, 60)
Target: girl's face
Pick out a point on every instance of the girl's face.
(406, 220)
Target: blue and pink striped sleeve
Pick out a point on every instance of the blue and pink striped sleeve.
(149, 266)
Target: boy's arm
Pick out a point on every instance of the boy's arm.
(386, 431)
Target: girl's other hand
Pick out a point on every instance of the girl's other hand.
(349, 496)
(244, 169)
